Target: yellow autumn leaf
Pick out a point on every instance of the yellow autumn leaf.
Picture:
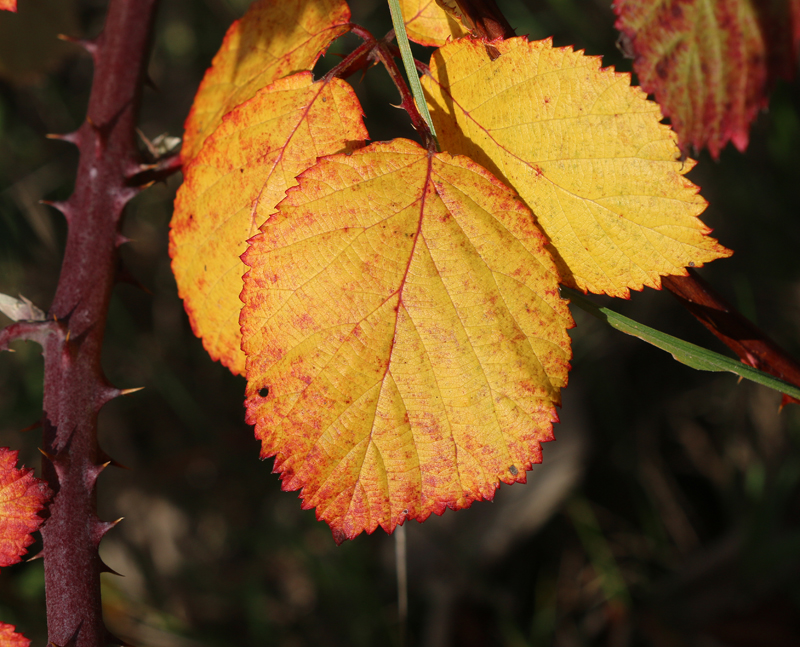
(406, 343)
(428, 24)
(272, 40)
(232, 186)
(586, 152)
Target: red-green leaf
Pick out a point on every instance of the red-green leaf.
(711, 64)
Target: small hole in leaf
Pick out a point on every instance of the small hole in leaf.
(263, 392)
(514, 471)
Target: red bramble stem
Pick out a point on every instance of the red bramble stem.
(75, 388)
(385, 54)
(358, 59)
(382, 50)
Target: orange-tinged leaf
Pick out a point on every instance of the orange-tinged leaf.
(711, 64)
(428, 24)
(272, 40)
(22, 496)
(233, 185)
(405, 338)
(584, 149)
(8, 5)
(10, 638)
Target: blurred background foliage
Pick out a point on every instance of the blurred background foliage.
(666, 513)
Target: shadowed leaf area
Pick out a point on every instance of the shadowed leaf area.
(427, 24)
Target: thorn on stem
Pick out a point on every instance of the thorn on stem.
(105, 568)
(89, 45)
(102, 527)
(49, 457)
(72, 138)
(35, 425)
(110, 461)
(61, 206)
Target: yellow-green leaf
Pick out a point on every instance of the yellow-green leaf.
(406, 343)
(272, 40)
(233, 185)
(428, 24)
(584, 149)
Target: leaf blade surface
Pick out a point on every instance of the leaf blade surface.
(233, 185)
(428, 24)
(406, 343)
(272, 40)
(585, 151)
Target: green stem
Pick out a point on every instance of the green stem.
(408, 63)
(686, 353)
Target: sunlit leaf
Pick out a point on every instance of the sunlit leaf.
(428, 24)
(10, 638)
(8, 5)
(233, 185)
(584, 149)
(711, 64)
(22, 496)
(406, 341)
(272, 40)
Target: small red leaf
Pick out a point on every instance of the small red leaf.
(10, 638)
(22, 496)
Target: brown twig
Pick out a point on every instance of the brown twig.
(358, 59)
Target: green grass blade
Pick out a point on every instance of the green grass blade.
(408, 62)
(695, 356)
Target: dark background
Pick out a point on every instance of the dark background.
(666, 513)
